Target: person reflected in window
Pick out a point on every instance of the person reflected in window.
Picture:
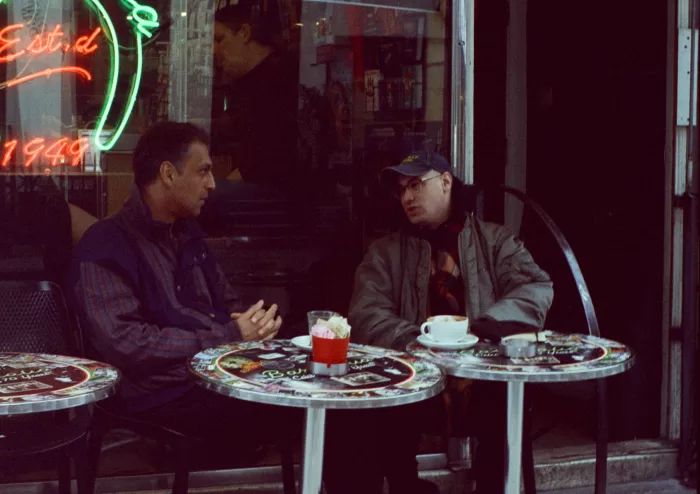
(42, 220)
(150, 294)
(258, 127)
(442, 261)
(340, 110)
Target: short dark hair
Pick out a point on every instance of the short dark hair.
(264, 29)
(165, 141)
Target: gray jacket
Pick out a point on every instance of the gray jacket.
(501, 280)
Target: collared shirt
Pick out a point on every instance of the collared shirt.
(150, 296)
(446, 285)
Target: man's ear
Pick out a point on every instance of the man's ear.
(446, 179)
(167, 172)
(246, 33)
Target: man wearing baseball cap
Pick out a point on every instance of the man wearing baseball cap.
(414, 174)
(443, 261)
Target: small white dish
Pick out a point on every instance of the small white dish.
(469, 340)
(539, 337)
(302, 342)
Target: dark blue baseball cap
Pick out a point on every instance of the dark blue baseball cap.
(414, 165)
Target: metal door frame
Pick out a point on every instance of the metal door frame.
(462, 90)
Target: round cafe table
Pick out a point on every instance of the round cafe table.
(560, 358)
(34, 382)
(274, 372)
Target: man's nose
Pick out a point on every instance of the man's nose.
(211, 183)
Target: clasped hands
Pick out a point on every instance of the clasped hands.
(257, 323)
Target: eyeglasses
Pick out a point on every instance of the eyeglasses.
(414, 186)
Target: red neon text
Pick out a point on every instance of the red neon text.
(44, 42)
(55, 151)
(12, 48)
(48, 73)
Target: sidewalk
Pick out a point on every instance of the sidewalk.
(661, 486)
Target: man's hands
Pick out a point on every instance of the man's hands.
(257, 323)
(488, 328)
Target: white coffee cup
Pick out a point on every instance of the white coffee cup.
(445, 328)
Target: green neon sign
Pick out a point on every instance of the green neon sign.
(144, 21)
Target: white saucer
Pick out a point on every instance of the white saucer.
(468, 341)
(302, 342)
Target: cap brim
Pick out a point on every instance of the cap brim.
(407, 170)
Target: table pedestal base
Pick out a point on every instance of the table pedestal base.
(516, 393)
(312, 466)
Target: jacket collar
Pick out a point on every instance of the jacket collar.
(137, 212)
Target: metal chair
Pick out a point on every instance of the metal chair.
(34, 318)
(593, 329)
(104, 420)
(181, 445)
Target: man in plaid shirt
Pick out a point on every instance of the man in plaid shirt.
(150, 295)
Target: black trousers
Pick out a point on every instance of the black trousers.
(365, 446)
(485, 421)
(362, 447)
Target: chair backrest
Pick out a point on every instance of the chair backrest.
(562, 243)
(34, 318)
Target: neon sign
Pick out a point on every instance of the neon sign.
(44, 43)
(56, 151)
(143, 20)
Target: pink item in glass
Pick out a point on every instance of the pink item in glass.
(321, 331)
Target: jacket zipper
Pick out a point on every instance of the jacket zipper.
(465, 280)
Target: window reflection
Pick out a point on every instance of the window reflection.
(306, 102)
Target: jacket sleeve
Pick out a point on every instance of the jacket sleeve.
(117, 330)
(373, 311)
(524, 290)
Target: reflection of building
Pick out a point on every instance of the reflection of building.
(191, 58)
